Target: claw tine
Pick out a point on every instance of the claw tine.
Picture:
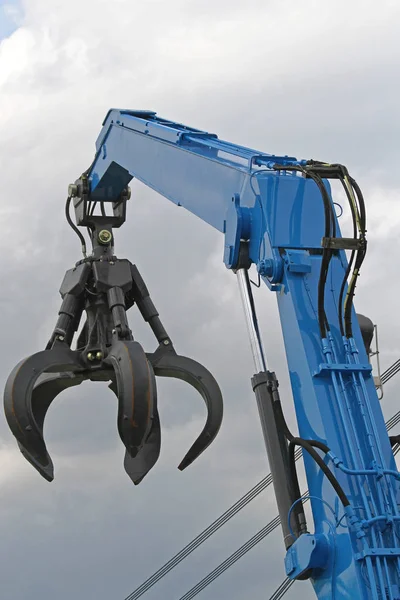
(134, 385)
(170, 364)
(138, 467)
(28, 393)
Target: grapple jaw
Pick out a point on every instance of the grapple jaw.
(28, 393)
(134, 384)
(166, 363)
(105, 287)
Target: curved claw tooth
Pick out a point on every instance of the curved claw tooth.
(137, 396)
(138, 467)
(30, 389)
(166, 363)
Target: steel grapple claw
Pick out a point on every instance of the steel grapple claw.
(105, 288)
(138, 421)
(30, 389)
(166, 363)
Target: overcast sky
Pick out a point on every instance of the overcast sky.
(311, 79)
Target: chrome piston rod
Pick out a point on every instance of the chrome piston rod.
(251, 320)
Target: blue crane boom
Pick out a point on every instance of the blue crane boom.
(277, 213)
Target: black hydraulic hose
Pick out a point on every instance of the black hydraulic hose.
(309, 446)
(340, 302)
(350, 293)
(73, 226)
(361, 202)
(361, 253)
(330, 231)
(324, 468)
(350, 264)
(289, 435)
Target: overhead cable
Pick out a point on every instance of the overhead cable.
(228, 562)
(390, 372)
(204, 535)
(282, 589)
(258, 537)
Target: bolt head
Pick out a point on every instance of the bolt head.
(166, 342)
(99, 355)
(265, 267)
(90, 356)
(104, 236)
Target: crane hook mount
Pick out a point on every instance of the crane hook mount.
(105, 287)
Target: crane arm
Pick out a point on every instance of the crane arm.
(275, 219)
(276, 212)
(196, 170)
(139, 144)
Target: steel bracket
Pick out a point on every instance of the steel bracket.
(327, 369)
(298, 261)
(236, 228)
(308, 552)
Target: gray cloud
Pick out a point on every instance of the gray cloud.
(309, 80)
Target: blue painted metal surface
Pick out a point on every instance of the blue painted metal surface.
(234, 189)
(307, 552)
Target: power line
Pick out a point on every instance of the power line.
(228, 562)
(395, 420)
(258, 537)
(204, 535)
(390, 372)
(282, 589)
(234, 509)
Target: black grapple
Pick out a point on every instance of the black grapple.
(103, 288)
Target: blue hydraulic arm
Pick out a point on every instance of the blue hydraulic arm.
(277, 213)
(274, 216)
